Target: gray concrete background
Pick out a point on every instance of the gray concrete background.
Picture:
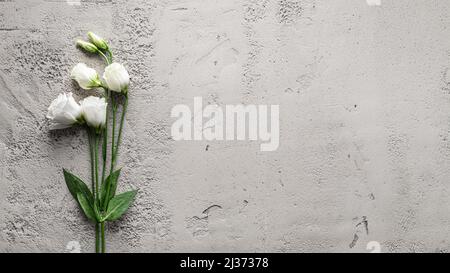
(364, 95)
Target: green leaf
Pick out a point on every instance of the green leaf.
(86, 207)
(109, 188)
(97, 211)
(82, 195)
(76, 185)
(119, 205)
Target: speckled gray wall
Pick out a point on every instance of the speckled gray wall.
(364, 94)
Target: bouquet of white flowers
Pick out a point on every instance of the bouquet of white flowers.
(100, 204)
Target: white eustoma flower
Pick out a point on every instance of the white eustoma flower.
(89, 47)
(85, 76)
(94, 111)
(64, 112)
(117, 78)
(97, 41)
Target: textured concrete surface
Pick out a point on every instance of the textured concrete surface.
(364, 94)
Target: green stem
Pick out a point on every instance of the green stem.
(97, 238)
(96, 166)
(100, 228)
(119, 138)
(105, 139)
(103, 237)
(108, 62)
(105, 148)
(96, 191)
(91, 137)
(114, 109)
(91, 152)
(110, 55)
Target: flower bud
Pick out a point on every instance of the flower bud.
(64, 112)
(97, 41)
(94, 112)
(117, 78)
(86, 77)
(91, 48)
